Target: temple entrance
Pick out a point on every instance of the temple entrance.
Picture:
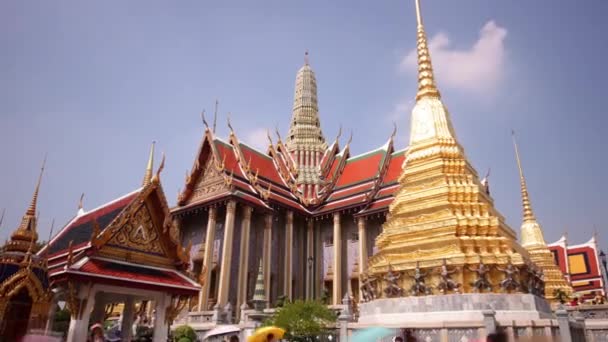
(17, 316)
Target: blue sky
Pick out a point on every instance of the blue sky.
(93, 83)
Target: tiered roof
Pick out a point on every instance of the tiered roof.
(363, 184)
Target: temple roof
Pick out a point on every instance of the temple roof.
(130, 241)
(265, 179)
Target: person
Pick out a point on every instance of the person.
(234, 338)
(497, 337)
(97, 333)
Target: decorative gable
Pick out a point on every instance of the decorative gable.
(210, 183)
(139, 234)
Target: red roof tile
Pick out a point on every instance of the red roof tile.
(360, 168)
(261, 162)
(134, 273)
(394, 167)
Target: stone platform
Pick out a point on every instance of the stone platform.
(453, 308)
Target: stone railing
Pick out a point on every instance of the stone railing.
(599, 311)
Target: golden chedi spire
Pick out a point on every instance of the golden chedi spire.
(533, 240)
(441, 210)
(149, 167)
(26, 233)
(531, 233)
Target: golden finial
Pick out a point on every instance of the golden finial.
(276, 130)
(81, 202)
(306, 58)
(528, 213)
(215, 115)
(269, 138)
(160, 168)
(394, 130)
(2, 217)
(148, 175)
(203, 118)
(31, 211)
(426, 79)
(229, 124)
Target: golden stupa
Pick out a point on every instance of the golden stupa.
(533, 240)
(442, 215)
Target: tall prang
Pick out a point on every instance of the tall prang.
(305, 141)
(441, 211)
(533, 240)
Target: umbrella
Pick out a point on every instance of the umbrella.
(261, 334)
(371, 334)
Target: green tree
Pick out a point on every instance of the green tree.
(184, 333)
(303, 319)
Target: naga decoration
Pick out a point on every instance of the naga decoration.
(509, 283)
(446, 283)
(419, 287)
(392, 288)
(481, 283)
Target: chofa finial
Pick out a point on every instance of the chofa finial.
(149, 167)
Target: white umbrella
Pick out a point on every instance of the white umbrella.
(221, 330)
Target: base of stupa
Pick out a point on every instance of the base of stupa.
(453, 308)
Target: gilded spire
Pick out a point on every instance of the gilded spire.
(525, 198)
(32, 208)
(531, 232)
(305, 140)
(2, 217)
(426, 79)
(148, 175)
(26, 234)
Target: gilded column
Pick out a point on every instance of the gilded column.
(310, 266)
(267, 255)
(362, 245)
(337, 281)
(244, 258)
(224, 283)
(288, 255)
(203, 299)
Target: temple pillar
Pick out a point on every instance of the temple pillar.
(79, 324)
(310, 259)
(288, 256)
(224, 283)
(126, 328)
(203, 298)
(160, 324)
(337, 281)
(267, 255)
(241, 300)
(362, 249)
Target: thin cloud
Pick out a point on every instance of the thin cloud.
(479, 68)
(257, 138)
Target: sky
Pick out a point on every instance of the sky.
(92, 84)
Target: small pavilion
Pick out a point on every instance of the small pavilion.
(126, 252)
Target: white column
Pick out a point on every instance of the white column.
(160, 326)
(243, 260)
(288, 256)
(267, 254)
(224, 283)
(79, 326)
(126, 329)
(310, 267)
(337, 281)
(203, 298)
